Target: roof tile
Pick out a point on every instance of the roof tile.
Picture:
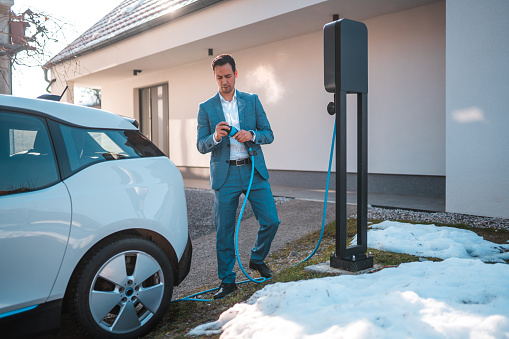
(128, 15)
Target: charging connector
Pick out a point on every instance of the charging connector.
(231, 130)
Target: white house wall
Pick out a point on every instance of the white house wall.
(406, 97)
(477, 107)
(418, 93)
(178, 42)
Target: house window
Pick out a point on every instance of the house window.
(154, 116)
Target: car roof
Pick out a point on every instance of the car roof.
(66, 113)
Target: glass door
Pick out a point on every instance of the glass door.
(154, 115)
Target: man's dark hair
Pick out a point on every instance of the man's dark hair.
(223, 59)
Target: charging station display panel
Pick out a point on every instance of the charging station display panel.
(346, 56)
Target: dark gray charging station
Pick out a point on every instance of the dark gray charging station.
(346, 72)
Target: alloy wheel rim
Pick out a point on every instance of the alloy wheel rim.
(126, 292)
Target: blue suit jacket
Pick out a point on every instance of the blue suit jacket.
(251, 116)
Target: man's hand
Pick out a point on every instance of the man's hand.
(221, 130)
(243, 136)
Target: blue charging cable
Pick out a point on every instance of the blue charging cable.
(324, 214)
(237, 228)
(261, 279)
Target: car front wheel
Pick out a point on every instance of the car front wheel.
(122, 289)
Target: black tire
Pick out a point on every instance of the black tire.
(122, 289)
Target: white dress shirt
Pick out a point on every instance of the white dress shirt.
(231, 114)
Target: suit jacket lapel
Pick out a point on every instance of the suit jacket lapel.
(241, 104)
(219, 108)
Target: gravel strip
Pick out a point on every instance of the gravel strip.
(437, 217)
(200, 214)
(200, 211)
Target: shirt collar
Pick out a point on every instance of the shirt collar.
(223, 101)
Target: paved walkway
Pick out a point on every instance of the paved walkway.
(375, 199)
(298, 218)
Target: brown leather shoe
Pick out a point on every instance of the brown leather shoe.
(225, 289)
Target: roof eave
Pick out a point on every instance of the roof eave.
(200, 4)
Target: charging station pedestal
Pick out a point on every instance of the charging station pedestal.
(346, 72)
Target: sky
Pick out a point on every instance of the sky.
(78, 15)
(464, 296)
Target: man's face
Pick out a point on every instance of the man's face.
(225, 78)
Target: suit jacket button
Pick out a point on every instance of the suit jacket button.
(228, 145)
(227, 161)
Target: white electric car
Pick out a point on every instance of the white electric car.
(93, 217)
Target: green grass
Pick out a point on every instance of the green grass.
(186, 315)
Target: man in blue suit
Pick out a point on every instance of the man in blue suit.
(230, 169)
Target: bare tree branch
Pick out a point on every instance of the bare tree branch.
(34, 40)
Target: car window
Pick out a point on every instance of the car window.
(27, 159)
(87, 146)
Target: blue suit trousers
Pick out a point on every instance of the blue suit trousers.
(226, 201)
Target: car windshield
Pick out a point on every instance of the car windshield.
(87, 146)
